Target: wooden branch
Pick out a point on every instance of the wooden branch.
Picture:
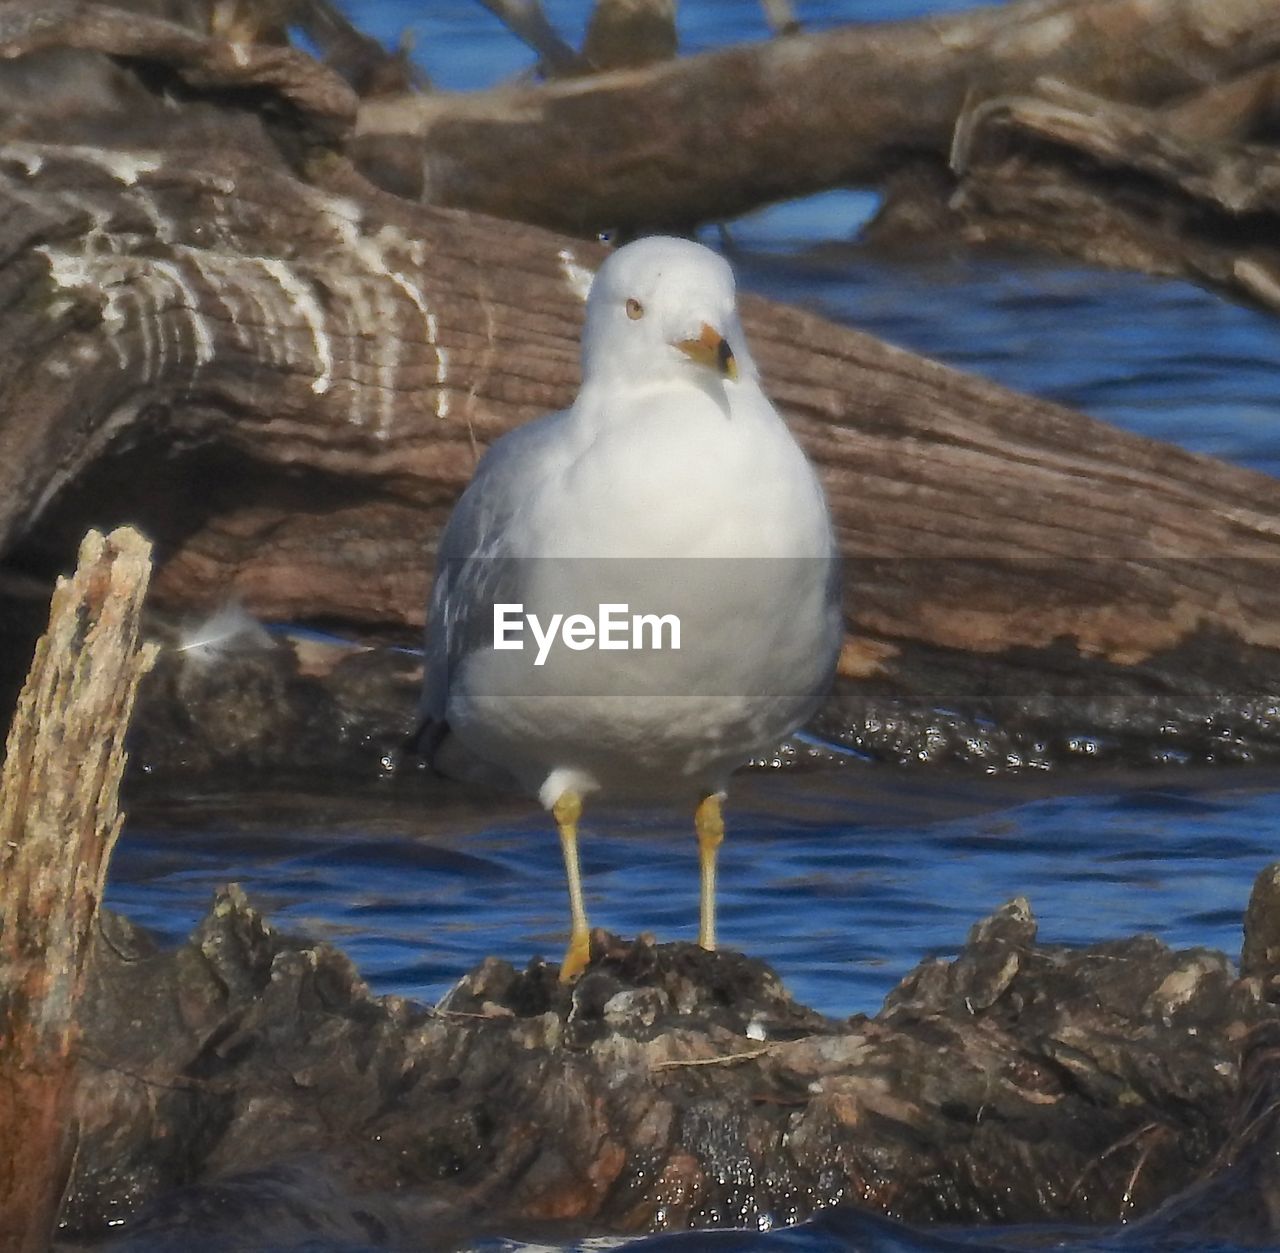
(1131, 188)
(361, 60)
(295, 81)
(252, 21)
(781, 17)
(712, 136)
(1245, 108)
(526, 20)
(59, 819)
(626, 34)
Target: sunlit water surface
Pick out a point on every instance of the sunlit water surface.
(845, 879)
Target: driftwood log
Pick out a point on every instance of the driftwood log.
(1126, 134)
(1157, 191)
(263, 1089)
(712, 136)
(218, 329)
(59, 820)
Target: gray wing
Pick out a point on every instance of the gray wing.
(474, 562)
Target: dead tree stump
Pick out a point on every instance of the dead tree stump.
(59, 819)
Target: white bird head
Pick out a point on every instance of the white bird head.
(664, 309)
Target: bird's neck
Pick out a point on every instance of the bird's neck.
(606, 400)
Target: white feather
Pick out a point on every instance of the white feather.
(228, 629)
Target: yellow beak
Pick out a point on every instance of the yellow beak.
(712, 350)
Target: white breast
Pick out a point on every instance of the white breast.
(672, 507)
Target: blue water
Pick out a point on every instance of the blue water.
(842, 879)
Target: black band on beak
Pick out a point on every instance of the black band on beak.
(727, 366)
(711, 349)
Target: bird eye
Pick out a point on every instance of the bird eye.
(635, 309)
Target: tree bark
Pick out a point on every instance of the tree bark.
(710, 137)
(59, 819)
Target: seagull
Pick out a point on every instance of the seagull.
(638, 594)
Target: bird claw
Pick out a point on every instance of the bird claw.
(576, 957)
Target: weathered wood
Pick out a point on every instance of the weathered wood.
(625, 34)
(712, 136)
(781, 17)
(1125, 187)
(672, 1088)
(302, 370)
(59, 819)
(312, 94)
(527, 21)
(1260, 956)
(1246, 107)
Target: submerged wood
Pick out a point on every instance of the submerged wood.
(672, 1088)
(217, 328)
(59, 819)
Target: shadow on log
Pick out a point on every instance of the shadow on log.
(672, 1088)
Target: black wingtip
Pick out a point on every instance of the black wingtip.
(425, 740)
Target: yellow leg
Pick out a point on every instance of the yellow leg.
(567, 810)
(708, 821)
